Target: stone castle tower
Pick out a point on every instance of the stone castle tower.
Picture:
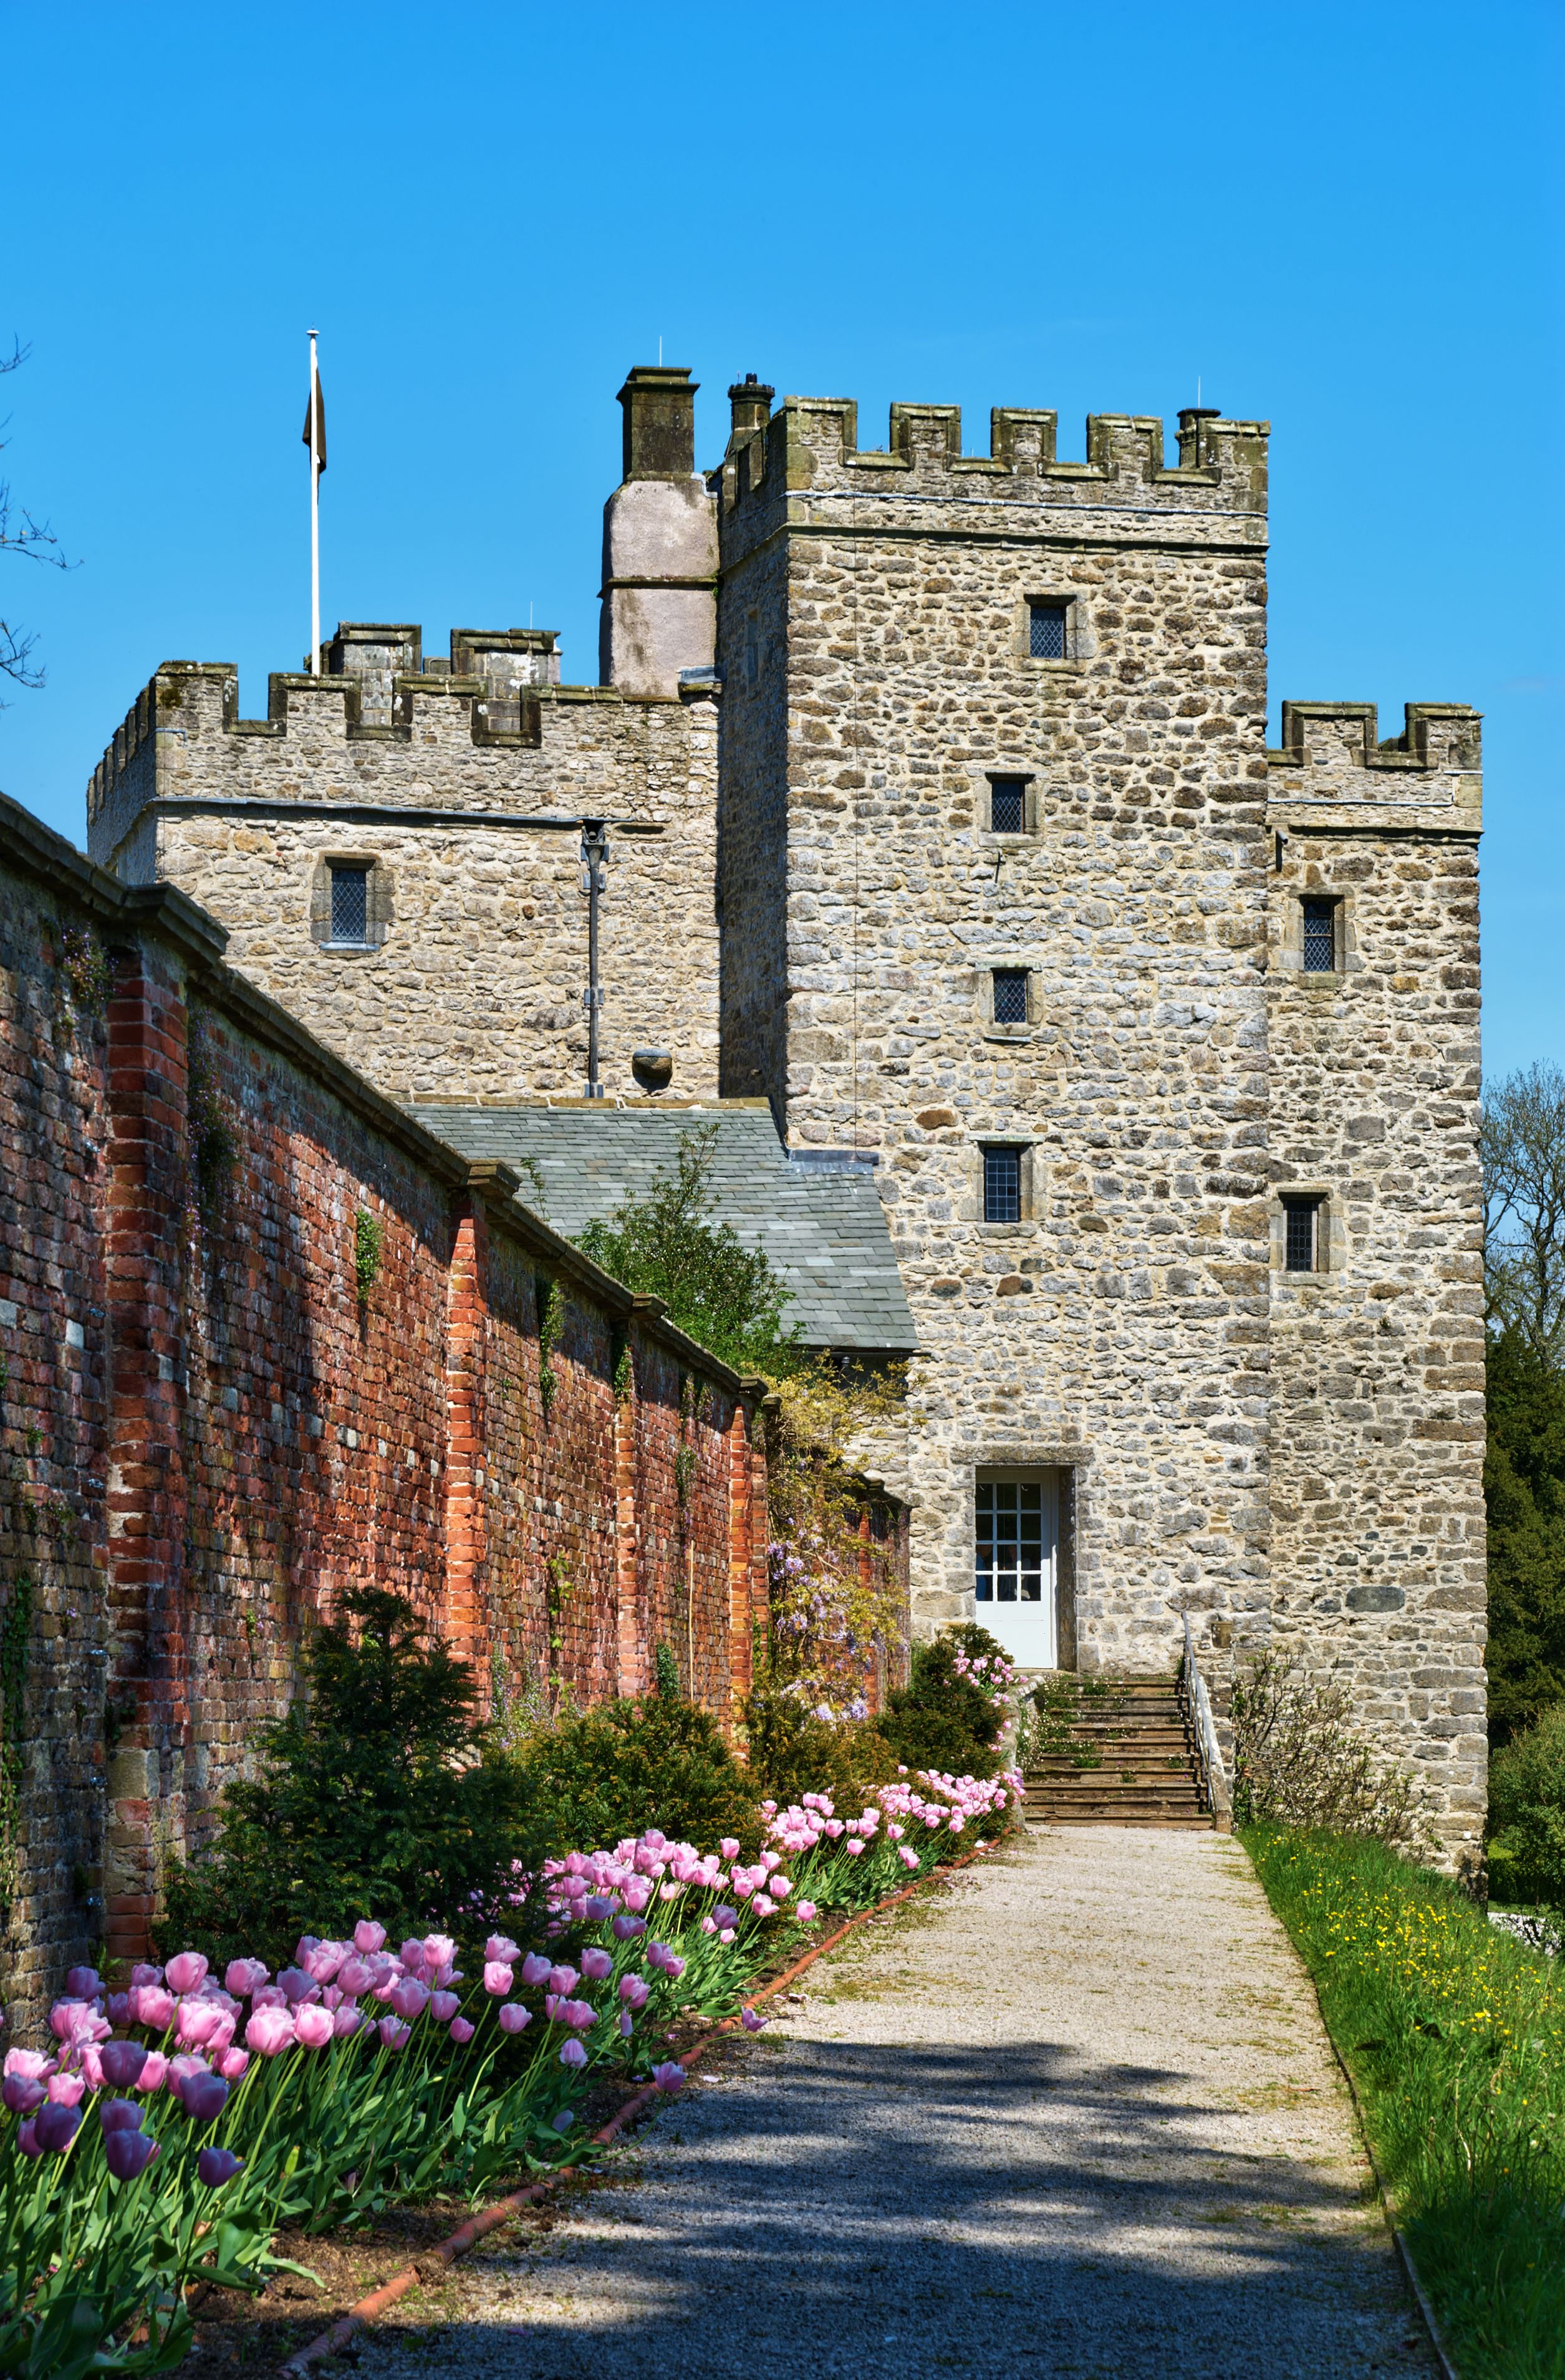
(944, 823)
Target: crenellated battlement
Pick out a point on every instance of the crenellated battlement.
(811, 445)
(1331, 753)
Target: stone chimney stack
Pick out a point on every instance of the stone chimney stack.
(749, 404)
(660, 543)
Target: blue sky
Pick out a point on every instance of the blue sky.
(1345, 218)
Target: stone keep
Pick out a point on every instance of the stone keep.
(946, 823)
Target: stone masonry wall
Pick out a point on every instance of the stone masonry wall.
(1120, 1330)
(474, 983)
(211, 1435)
(1377, 1359)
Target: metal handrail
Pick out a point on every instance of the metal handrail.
(1219, 1793)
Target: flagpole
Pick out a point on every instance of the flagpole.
(314, 521)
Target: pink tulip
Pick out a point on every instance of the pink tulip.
(750, 2021)
(563, 1979)
(313, 2027)
(36, 2064)
(634, 1992)
(804, 1911)
(187, 1973)
(244, 1974)
(854, 1848)
(152, 2006)
(412, 1956)
(395, 2034)
(440, 1950)
(128, 2154)
(322, 1960)
(462, 2031)
(577, 2015)
(536, 1970)
(368, 1937)
(730, 1848)
(780, 1887)
(573, 2054)
(270, 2030)
(196, 2021)
(497, 1978)
(637, 1896)
(908, 1858)
(596, 1963)
(354, 1977)
(513, 2016)
(154, 2073)
(66, 2090)
(499, 1948)
(346, 2020)
(232, 2063)
(442, 2006)
(120, 2116)
(669, 2077)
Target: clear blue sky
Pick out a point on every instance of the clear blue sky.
(1343, 217)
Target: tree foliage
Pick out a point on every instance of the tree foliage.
(1298, 1760)
(944, 1718)
(378, 1797)
(1524, 1493)
(627, 1766)
(1527, 1814)
(666, 1244)
(1524, 1156)
(34, 540)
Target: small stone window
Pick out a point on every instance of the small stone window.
(1303, 1241)
(351, 906)
(1319, 925)
(1002, 1185)
(1007, 805)
(1011, 995)
(1046, 631)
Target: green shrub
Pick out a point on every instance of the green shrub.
(379, 1797)
(628, 1766)
(1527, 1814)
(793, 1753)
(942, 1720)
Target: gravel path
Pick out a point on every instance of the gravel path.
(1071, 2114)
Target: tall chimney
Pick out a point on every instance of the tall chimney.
(750, 407)
(660, 543)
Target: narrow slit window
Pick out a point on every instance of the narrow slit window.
(1007, 805)
(1045, 630)
(1010, 1548)
(350, 905)
(1002, 1185)
(1320, 937)
(1011, 995)
(1301, 1234)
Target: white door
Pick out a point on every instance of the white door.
(1017, 1549)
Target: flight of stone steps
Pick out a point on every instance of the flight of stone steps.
(1116, 1751)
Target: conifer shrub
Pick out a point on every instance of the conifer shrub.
(1527, 1816)
(943, 1719)
(626, 1765)
(792, 1752)
(380, 1795)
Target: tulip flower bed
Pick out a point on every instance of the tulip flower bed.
(180, 2123)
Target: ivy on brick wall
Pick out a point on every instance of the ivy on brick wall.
(369, 1241)
(551, 1319)
(16, 1635)
(213, 1150)
(84, 970)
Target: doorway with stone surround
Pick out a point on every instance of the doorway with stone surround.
(1022, 1566)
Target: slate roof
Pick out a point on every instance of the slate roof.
(824, 1229)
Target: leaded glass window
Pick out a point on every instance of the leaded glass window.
(1011, 995)
(350, 905)
(1301, 1231)
(1046, 631)
(1002, 1185)
(1320, 937)
(1007, 806)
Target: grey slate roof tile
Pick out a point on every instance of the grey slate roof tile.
(823, 1231)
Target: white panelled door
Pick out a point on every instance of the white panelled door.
(1017, 1549)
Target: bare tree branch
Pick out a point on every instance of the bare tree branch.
(34, 540)
(1524, 1151)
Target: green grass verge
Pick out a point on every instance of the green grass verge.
(1454, 2035)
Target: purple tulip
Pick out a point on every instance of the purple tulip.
(128, 2154)
(573, 2054)
(120, 2116)
(21, 2094)
(296, 1985)
(217, 2166)
(536, 1970)
(634, 1991)
(461, 2031)
(626, 1928)
(750, 2021)
(596, 1907)
(723, 1917)
(563, 2121)
(122, 2062)
(669, 2077)
(410, 1998)
(187, 1973)
(563, 1980)
(627, 2025)
(442, 2006)
(84, 1984)
(27, 2140)
(395, 2034)
(205, 2096)
(53, 2127)
(514, 2018)
(596, 1964)
(368, 1937)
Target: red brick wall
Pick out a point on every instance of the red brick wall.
(209, 1435)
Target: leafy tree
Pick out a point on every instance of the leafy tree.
(379, 1797)
(1524, 1491)
(1524, 1156)
(35, 542)
(666, 1245)
(1527, 1814)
